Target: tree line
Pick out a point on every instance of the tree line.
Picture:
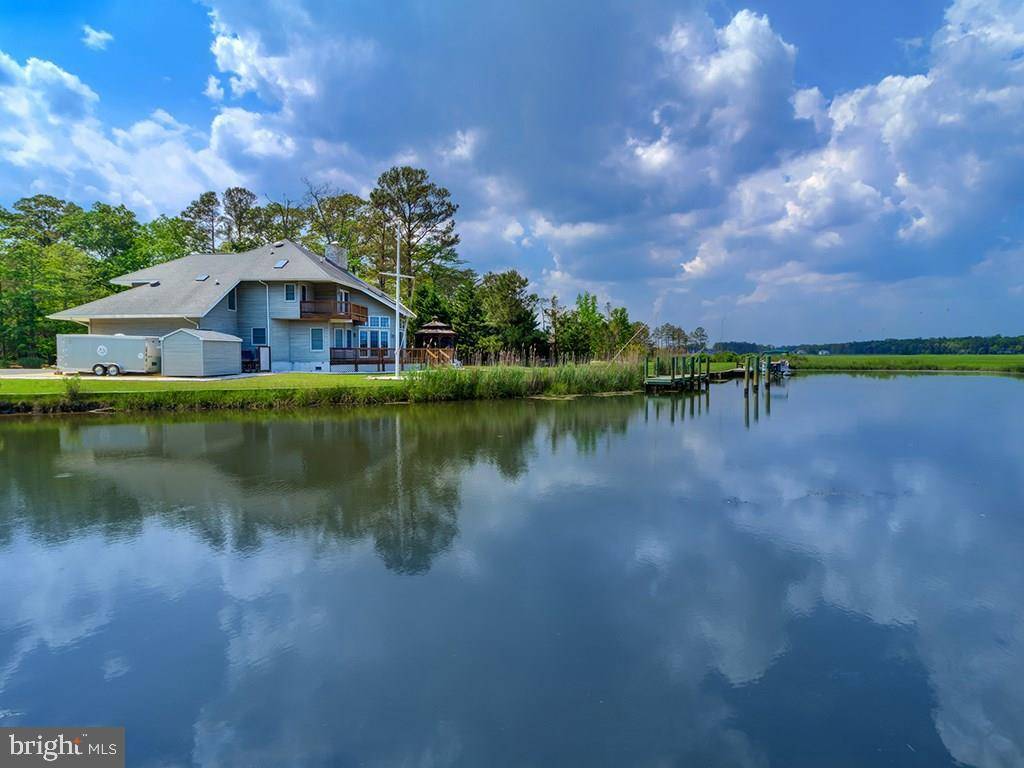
(54, 255)
(957, 345)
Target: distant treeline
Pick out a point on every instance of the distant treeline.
(960, 345)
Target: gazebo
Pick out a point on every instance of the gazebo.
(435, 335)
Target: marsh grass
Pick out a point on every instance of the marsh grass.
(497, 382)
(430, 385)
(993, 363)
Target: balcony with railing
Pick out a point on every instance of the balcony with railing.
(333, 309)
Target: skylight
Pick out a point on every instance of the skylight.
(200, 278)
(279, 264)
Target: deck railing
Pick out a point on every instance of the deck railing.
(332, 308)
(378, 358)
(428, 356)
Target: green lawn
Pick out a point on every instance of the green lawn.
(55, 384)
(993, 363)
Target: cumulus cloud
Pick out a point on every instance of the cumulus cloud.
(463, 146)
(297, 71)
(214, 90)
(854, 186)
(50, 130)
(567, 233)
(237, 132)
(731, 107)
(513, 231)
(97, 39)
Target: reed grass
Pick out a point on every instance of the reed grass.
(430, 385)
(992, 363)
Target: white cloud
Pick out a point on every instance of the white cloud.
(733, 107)
(214, 90)
(654, 156)
(97, 39)
(49, 129)
(298, 71)
(462, 147)
(793, 277)
(905, 162)
(513, 231)
(568, 233)
(237, 131)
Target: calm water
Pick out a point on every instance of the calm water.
(611, 581)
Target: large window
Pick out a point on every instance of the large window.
(343, 337)
(259, 337)
(233, 300)
(373, 338)
(316, 339)
(289, 291)
(380, 321)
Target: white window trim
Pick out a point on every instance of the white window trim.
(252, 336)
(323, 339)
(295, 293)
(233, 292)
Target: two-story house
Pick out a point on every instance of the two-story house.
(302, 311)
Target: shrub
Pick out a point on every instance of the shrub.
(72, 388)
(30, 361)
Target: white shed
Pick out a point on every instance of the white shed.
(193, 352)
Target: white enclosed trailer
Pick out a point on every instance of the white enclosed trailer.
(108, 355)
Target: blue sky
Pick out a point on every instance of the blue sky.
(773, 170)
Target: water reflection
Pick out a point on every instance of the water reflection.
(619, 581)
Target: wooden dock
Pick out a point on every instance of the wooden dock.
(678, 373)
(692, 373)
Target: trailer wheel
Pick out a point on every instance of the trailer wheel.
(113, 370)
(99, 370)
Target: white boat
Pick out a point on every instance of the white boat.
(779, 367)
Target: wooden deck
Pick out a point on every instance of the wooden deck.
(677, 373)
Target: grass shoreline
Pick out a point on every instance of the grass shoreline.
(901, 363)
(432, 385)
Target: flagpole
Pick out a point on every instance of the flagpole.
(397, 274)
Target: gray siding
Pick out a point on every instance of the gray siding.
(252, 312)
(221, 358)
(279, 308)
(186, 355)
(182, 355)
(299, 342)
(220, 318)
(141, 327)
(373, 306)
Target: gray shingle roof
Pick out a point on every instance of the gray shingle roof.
(177, 293)
(206, 335)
